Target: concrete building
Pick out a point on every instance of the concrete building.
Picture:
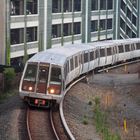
(35, 25)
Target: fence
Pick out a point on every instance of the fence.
(14, 84)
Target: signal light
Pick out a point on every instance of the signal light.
(36, 101)
(43, 102)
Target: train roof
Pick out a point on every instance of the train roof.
(59, 55)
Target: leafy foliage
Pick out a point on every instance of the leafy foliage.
(97, 100)
(85, 122)
(9, 74)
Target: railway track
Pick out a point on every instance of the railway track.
(45, 124)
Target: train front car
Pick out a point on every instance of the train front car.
(41, 84)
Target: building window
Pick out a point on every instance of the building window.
(122, 24)
(77, 5)
(123, 6)
(17, 36)
(110, 4)
(17, 7)
(94, 5)
(109, 23)
(134, 3)
(94, 25)
(134, 20)
(103, 5)
(102, 24)
(56, 6)
(31, 34)
(128, 31)
(134, 35)
(67, 29)
(56, 31)
(32, 7)
(67, 5)
(77, 28)
(128, 13)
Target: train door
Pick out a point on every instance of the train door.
(114, 54)
(71, 74)
(42, 78)
(91, 59)
(97, 52)
(77, 67)
(132, 50)
(85, 62)
(81, 62)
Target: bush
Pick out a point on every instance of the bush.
(9, 75)
(85, 122)
(90, 102)
(97, 100)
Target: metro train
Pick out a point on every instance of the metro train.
(48, 73)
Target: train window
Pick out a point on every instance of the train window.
(85, 57)
(121, 49)
(109, 52)
(65, 70)
(68, 67)
(127, 48)
(71, 64)
(102, 52)
(55, 75)
(43, 74)
(138, 46)
(30, 74)
(81, 59)
(76, 61)
(97, 54)
(91, 56)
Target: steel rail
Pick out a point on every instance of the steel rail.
(61, 110)
(27, 119)
(51, 119)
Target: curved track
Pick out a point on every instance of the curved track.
(61, 104)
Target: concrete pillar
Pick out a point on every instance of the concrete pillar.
(2, 32)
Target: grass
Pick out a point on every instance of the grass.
(97, 100)
(101, 123)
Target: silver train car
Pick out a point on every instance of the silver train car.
(47, 74)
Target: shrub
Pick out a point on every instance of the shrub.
(97, 100)
(90, 102)
(85, 122)
(9, 75)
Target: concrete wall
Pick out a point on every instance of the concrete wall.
(2, 32)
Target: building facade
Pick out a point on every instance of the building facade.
(34, 25)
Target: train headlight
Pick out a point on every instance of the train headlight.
(52, 91)
(30, 88)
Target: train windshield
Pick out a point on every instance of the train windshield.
(30, 74)
(55, 76)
